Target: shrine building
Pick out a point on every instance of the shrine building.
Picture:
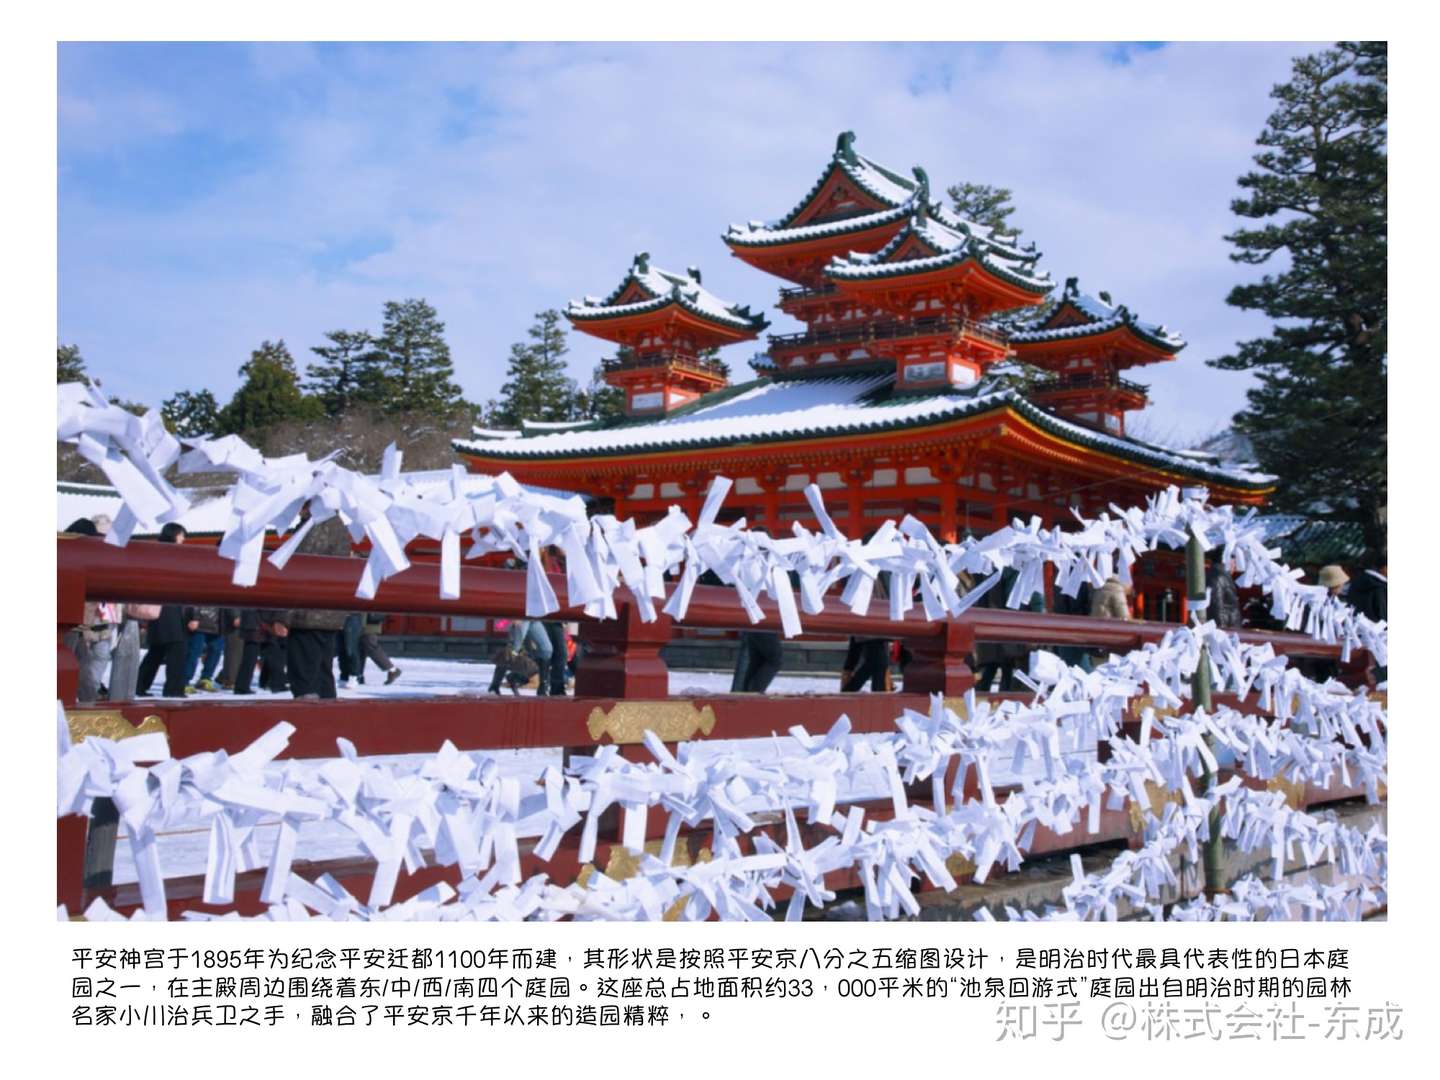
(889, 399)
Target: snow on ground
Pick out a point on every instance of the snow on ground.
(446, 678)
(184, 846)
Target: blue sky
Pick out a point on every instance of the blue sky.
(212, 196)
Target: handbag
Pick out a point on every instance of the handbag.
(519, 665)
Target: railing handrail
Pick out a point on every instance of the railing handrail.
(889, 330)
(1088, 381)
(802, 292)
(151, 572)
(663, 359)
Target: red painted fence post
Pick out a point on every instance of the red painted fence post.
(69, 613)
(938, 665)
(620, 658)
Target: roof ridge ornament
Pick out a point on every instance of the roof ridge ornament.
(922, 193)
(641, 265)
(1072, 286)
(694, 272)
(845, 147)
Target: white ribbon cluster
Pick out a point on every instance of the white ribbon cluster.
(458, 805)
(604, 555)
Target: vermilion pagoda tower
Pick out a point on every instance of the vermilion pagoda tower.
(665, 325)
(884, 399)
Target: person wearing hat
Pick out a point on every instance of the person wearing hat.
(1334, 578)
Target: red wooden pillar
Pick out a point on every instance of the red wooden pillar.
(855, 503)
(770, 484)
(621, 657)
(938, 665)
(69, 613)
(694, 489)
(624, 485)
(949, 500)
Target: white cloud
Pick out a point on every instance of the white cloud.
(558, 162)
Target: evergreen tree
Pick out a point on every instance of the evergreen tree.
(1317, 419)
(191, 414)
(70, 365)
(601, 401)
(269, 394)
(352, 374)
(536, 386)
(984, 205)
(415, 360)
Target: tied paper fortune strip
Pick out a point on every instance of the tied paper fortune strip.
(458, 805)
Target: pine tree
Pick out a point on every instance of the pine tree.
(984, 205)
(70, 365)
(536, 386)
(601, 401)
(191, 414)
(352, 375)
(415, 360)
(1317, 418)
(270, 393)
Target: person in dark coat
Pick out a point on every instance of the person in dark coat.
(758, 661)
(205, 644)
(1369, 593)
(234, 646)
(309, 634)
(1224, 609)
(256, 640)
(347, 648)
(1079, 604)
(166, 637)
(371, 649)
(1002, 657)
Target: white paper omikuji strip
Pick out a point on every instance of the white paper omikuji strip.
(605, 555)
(460, 807)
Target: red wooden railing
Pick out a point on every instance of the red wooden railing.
(621, 686)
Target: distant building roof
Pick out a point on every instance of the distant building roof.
(926, 243)
(1077, 315)
(209, 513)
(1305, 542)
(647, 288)
(777, 410)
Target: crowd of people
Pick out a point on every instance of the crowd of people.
(219, 649)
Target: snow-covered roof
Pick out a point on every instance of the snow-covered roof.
(1098, 316)
(659, 288)
(760, 234)
(769, 410)
(209, 508)
(209, 512)
(899, 197)
(944, 245)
